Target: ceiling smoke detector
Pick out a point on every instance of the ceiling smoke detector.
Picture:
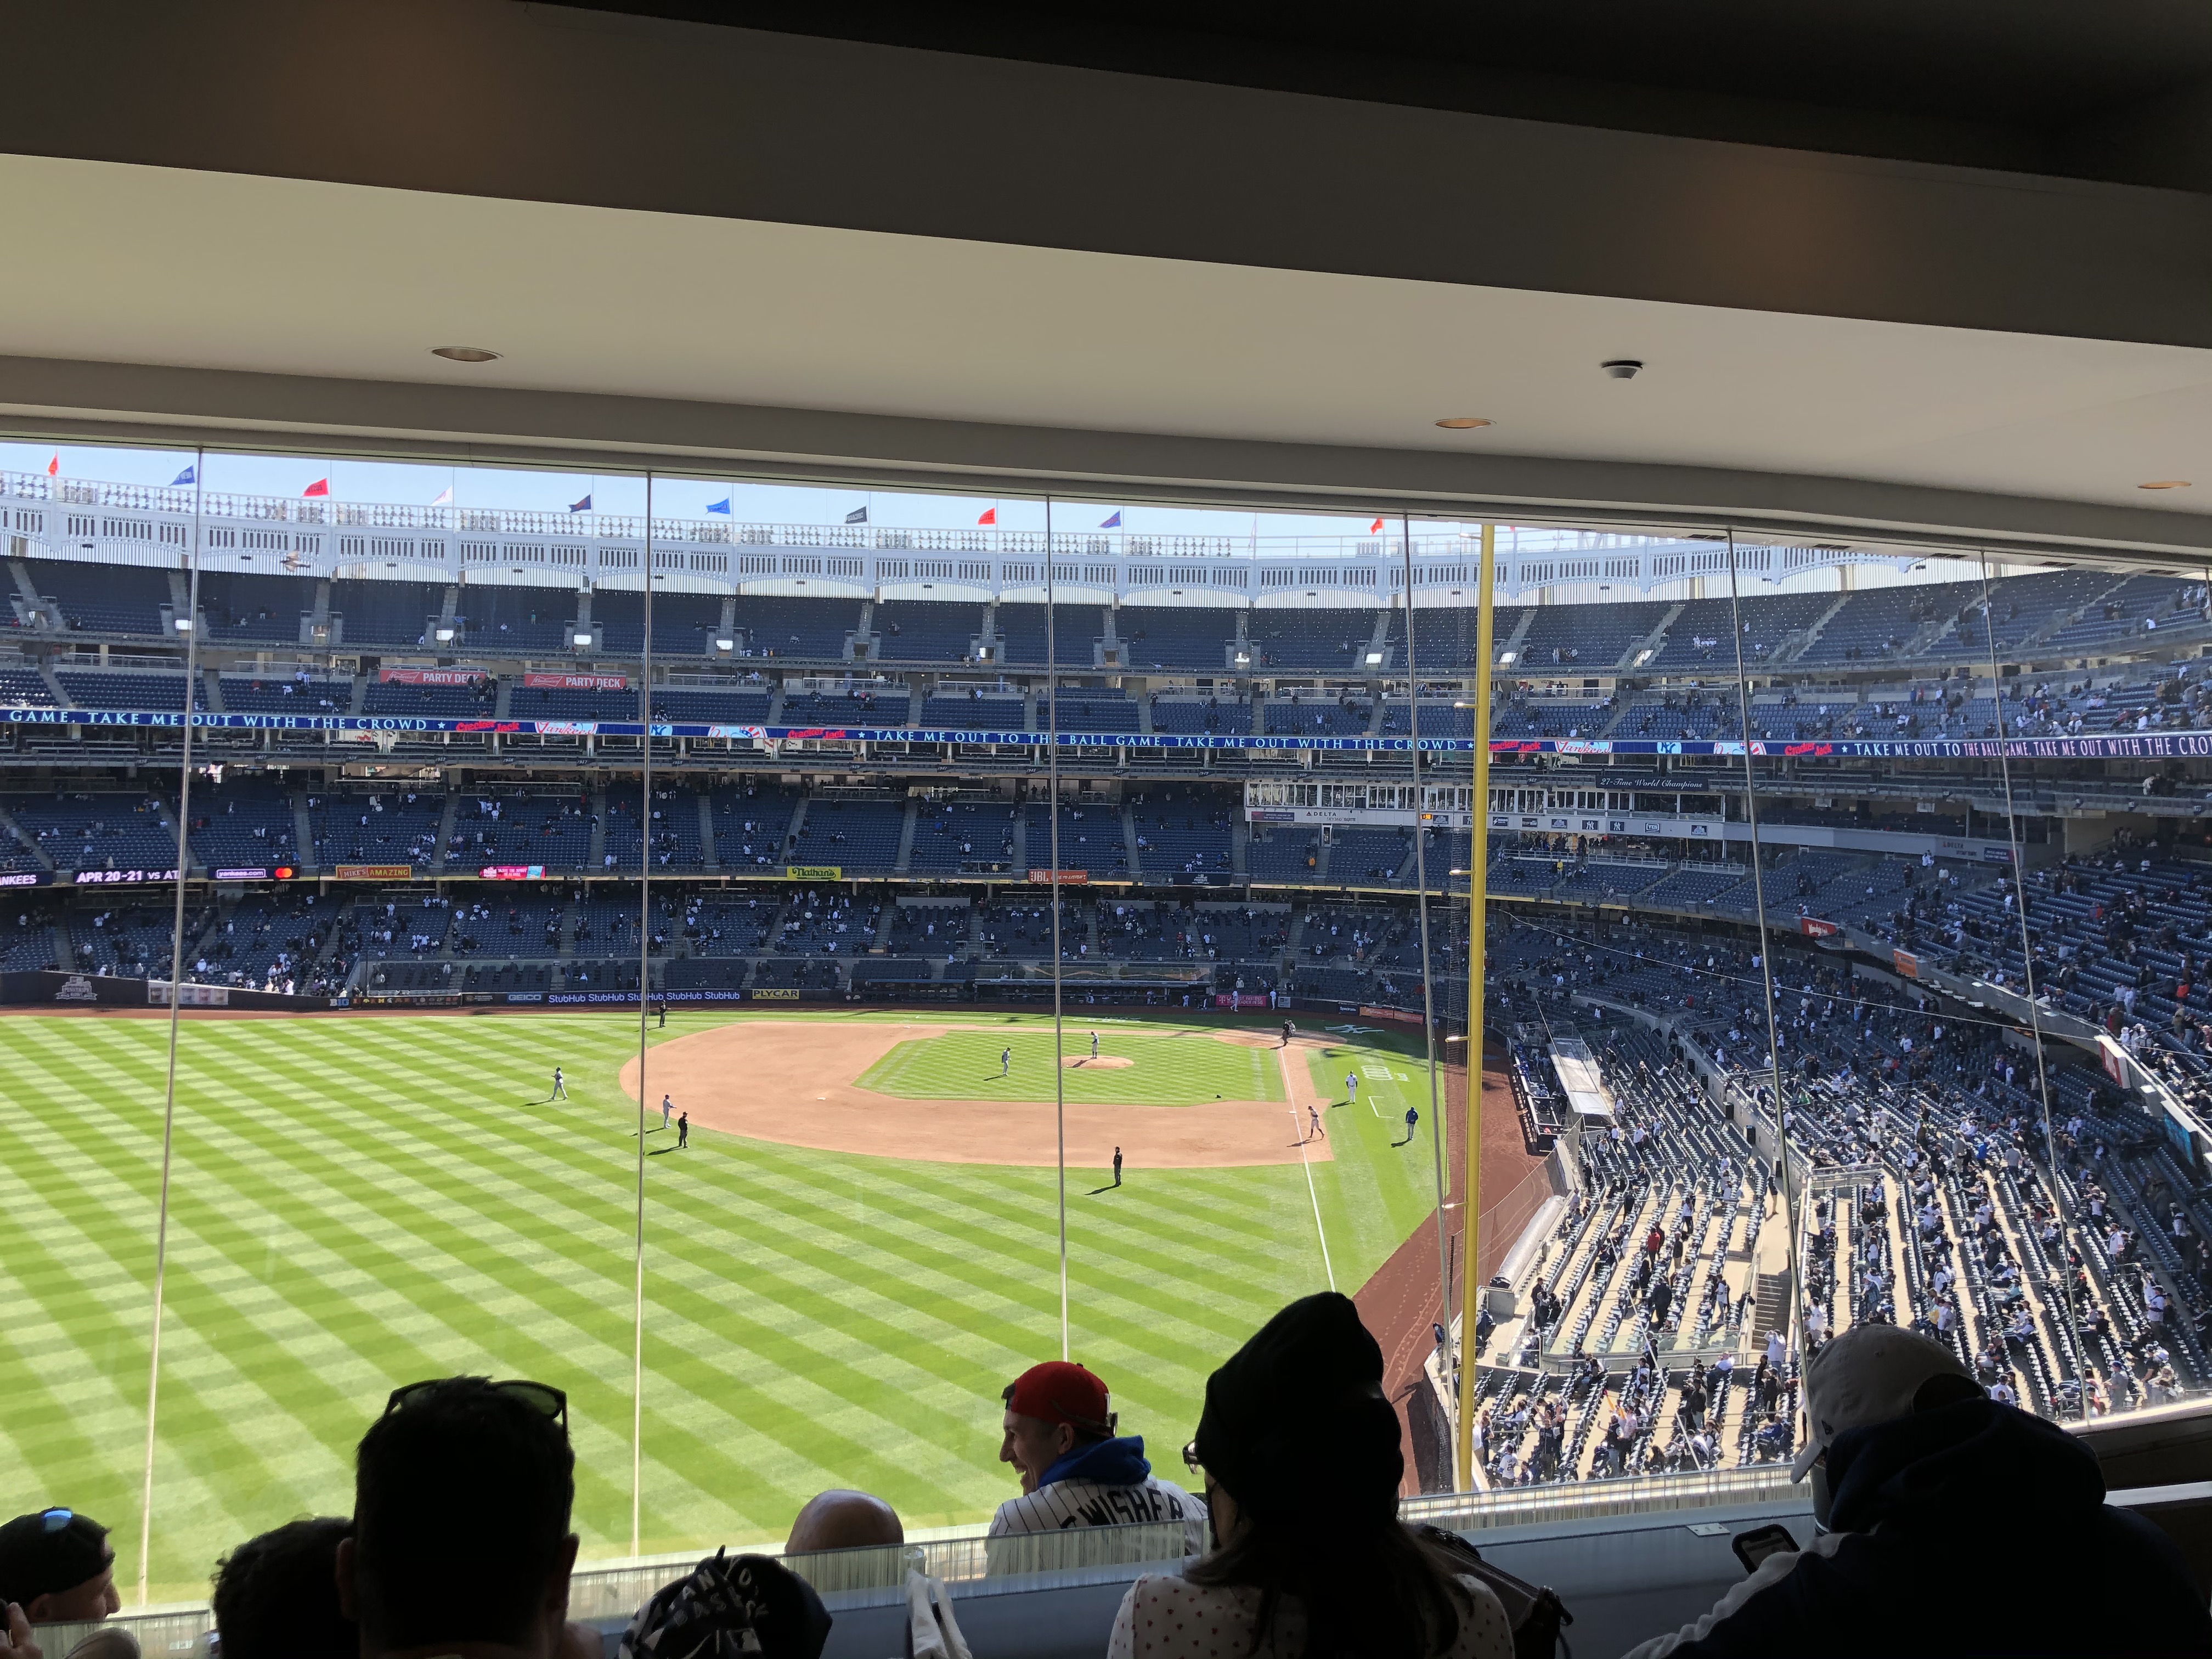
(1623, 368)
(1464, 422)
(465, 354)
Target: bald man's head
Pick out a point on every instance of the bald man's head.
(844, 1521)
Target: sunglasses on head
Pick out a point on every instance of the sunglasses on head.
(540, 1396)
(1190, 1457)
(55, 1520)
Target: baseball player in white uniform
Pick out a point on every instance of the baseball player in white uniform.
(1075, 1471)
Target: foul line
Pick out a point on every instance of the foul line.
(1283, 1061)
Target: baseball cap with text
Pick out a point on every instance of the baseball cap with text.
(1060, 1391)
(1870, 1373)
(48, 1552)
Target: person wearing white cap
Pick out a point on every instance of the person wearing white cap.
(1946, 1522)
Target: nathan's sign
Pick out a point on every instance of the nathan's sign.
(814, 872)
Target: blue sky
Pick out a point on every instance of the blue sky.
(672, 497)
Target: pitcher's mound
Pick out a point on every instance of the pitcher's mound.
(1102, 1063)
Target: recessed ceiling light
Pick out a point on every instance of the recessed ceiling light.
(1464, 422)
(465, 354)
(2165, 483)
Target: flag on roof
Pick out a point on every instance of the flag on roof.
(445, 497)
(584, 506)
(1375, 529)
(857, 515)
(320, 487)
(54, 467)
(990, 516)
(722, 506)
(1113, 520)
(190, 475)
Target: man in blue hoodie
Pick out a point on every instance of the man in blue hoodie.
(1075, 1471)
(1948, 1523)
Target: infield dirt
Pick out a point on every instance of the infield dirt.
(792, 1082)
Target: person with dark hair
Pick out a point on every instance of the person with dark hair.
(1301, 1454)
(276, 1596)
(1922, 1485)
(462, 1491)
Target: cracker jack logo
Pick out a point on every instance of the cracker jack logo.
(77, 988)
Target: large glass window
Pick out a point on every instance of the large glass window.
(777, 961)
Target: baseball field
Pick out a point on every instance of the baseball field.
(855, 1252)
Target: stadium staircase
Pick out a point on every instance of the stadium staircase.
(789, 851)
(315, 625)
(595, 859)
(1802, 639)
(1240, 839)
(359, 698)
(211, 690)
(166, 816)
(904, 861)
(446, 831)
(1655, 640)
(709, 855)
(62, 698)
(1512, 641)
(28, 842)
(503, 699)
(303, 831)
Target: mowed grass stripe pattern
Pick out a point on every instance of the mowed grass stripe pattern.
(358, 1203)
(1167, 1067)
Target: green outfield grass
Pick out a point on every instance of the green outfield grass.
(361, 1202)
(1168, 1066)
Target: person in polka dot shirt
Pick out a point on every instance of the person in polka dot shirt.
(1300, 1453)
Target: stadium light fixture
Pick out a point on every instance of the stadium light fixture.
(465, 354)
(2165, 483)
(1464, 422)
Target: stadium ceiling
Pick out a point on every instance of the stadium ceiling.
(1248, 277)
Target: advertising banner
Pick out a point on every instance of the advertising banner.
(193, 996)
(426, 676)
(1813, 928)
(1068, 878)
(256, 872)
(1905, 963)
(813, 873)
(1398, 1014)
(121, 878)
(773, 994)
(576, 682)
(1239, 999)
(375, 873)
(512, 872)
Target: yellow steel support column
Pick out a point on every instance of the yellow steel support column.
(1478, 865)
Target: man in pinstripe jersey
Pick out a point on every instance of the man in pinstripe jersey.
(1075, 1471)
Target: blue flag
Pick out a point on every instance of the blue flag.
(722, 505)
(1113, 522)
(584, 506)
(190, 475)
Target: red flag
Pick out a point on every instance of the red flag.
(1375, 529)
(990, 516)
(320, 487)
(54, 467)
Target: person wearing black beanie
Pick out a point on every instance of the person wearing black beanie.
(1300, 1451)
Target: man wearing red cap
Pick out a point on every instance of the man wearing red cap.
(1075, 1470)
